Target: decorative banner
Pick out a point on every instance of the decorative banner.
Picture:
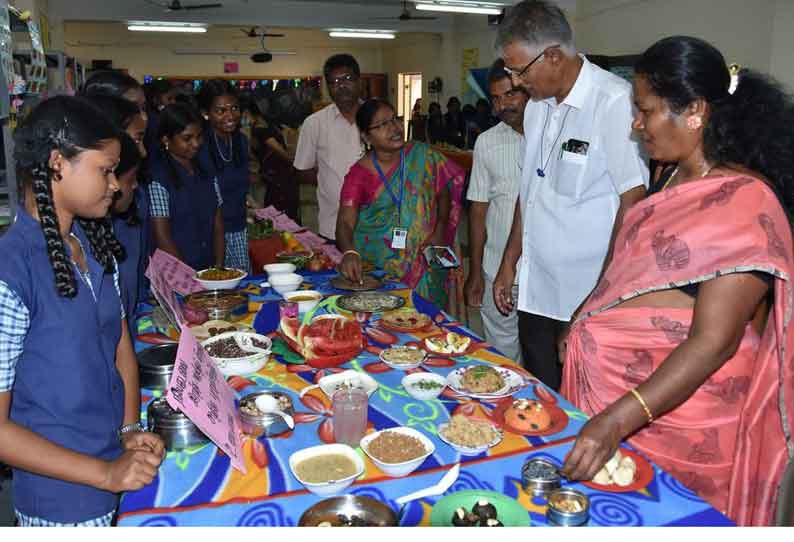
(178, 275)
(198, 389)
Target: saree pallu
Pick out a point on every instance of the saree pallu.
(731, 440)
(427, 173)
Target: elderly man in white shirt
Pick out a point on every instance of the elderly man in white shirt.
(493, 191)
(582, 171)
(329, 141)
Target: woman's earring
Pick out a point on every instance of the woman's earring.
(693, 123)
(57, 175)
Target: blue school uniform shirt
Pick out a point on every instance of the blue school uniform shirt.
(189, 207)
(58, 359)
(131, 269)
(232, 175)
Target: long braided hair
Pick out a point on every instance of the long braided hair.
(70, 126)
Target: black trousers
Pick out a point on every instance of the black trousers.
(538, 336)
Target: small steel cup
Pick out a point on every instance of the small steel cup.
(539, 477)
(562, 518)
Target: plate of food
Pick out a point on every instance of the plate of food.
(469, 436)
(625, 472)
(406, 320)
(484, 381)
(369, 302)
(220, 278)
(530, 417)
(403, 358)
(450, 344)
(238, 353)
(478, 508)
(368, 282)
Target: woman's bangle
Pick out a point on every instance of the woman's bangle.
(639, 398)
(345, 253)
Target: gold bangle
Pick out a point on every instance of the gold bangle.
(351, 252)
(647, 410)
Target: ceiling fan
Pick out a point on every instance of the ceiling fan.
(176, 5)
(405, 16)
(254, 33)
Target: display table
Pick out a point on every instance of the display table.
(199, 487)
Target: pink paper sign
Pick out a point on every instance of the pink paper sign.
(176, 273)
(167, 299)
(285, 223)
(309, 239)
(198, 390)
(267, 212)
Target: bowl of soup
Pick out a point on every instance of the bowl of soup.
(328, 469)
(306, 299)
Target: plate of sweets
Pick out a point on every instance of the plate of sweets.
(626, 471)
(530, 417)
(406, 320)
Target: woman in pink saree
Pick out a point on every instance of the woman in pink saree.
(684, 348)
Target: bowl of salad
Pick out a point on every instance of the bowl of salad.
(424, 386)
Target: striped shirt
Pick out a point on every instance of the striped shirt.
(29, 521)
(496, 180)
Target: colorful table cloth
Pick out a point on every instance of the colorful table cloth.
(199, 487)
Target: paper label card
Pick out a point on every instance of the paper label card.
(176, 273)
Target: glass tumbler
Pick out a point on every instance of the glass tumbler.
(350, 416)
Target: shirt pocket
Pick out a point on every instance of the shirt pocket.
(570, 173)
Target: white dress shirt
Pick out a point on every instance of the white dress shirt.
(495, 180)
(330, 143)
(568, 214)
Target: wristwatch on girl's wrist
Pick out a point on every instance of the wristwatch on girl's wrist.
(131, 428)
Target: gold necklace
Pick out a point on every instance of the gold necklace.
(675, 172)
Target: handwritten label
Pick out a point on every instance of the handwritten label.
(268, 212)
(166, 298)
(198, 389)
(176, 273)
(285, 223)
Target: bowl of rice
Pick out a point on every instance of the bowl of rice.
(397, 451)
(469, 436)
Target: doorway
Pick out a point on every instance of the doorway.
(409, 89)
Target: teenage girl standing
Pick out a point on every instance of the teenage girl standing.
(225, 153)
(69, 396)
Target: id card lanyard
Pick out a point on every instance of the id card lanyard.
(399, 234)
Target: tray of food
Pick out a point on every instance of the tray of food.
(485, 382)
(369, 302)
(225, 305)
(478, 508)
(406, 320)
(469, 436)
(368, 282)
(450, 344)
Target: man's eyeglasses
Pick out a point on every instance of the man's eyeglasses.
(343, 80)
(514, 73)
(394, 120)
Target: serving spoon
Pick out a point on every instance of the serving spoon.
(444, 484)
(268, 404)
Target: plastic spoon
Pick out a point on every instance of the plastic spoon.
(269, 405)
(444, 484)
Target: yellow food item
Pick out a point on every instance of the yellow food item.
(325, 468)
(220, 274)
(468, 433)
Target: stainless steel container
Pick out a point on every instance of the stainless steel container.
(219, 304)
(559, 500)
(155, 366)
(539, 476)
(265, 424)
(176, 429)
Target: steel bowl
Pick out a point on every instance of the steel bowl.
(176, 429)
(563, 518)
(219, 304)
(266, 424)
(338, 510)
(539, 477)
(156, 365)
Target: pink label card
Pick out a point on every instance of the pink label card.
(268, 212)
(199, 390)
(285, 223)
(176, 273)
(309, 239)
(166, 298)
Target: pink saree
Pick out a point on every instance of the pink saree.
(731, 440)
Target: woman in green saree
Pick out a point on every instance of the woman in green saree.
(396, 200)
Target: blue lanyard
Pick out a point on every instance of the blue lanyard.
(385, 181)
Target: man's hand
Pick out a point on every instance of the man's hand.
(474, 288)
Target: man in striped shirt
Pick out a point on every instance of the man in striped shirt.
(493, 190)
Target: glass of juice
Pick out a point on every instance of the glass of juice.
(350, 415)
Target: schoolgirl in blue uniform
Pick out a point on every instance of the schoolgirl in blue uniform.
(225, 152)
(69, 396)
(184, 197)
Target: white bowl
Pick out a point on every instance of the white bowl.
(423, 395)
(329, 384)
(305, 306)
(245, 365)
(279, 269)
(285, 283)
(396, 470)
(465, 450)
(220, 284)
(403, 366)
(336, 486)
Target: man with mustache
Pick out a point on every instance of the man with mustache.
(582, 170)
(493, 190)
(329, 141)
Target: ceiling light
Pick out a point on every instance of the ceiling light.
(371, 34)
(148, 26)
(477, 8)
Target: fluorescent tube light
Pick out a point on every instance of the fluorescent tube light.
(143, 26)
(477, 9)
(370, 35)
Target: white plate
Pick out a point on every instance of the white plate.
(245, 365)
(403, 366)
(406, 467)
(513, 383)
(330, 383)
(464, 450)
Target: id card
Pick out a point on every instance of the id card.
(398, 238)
